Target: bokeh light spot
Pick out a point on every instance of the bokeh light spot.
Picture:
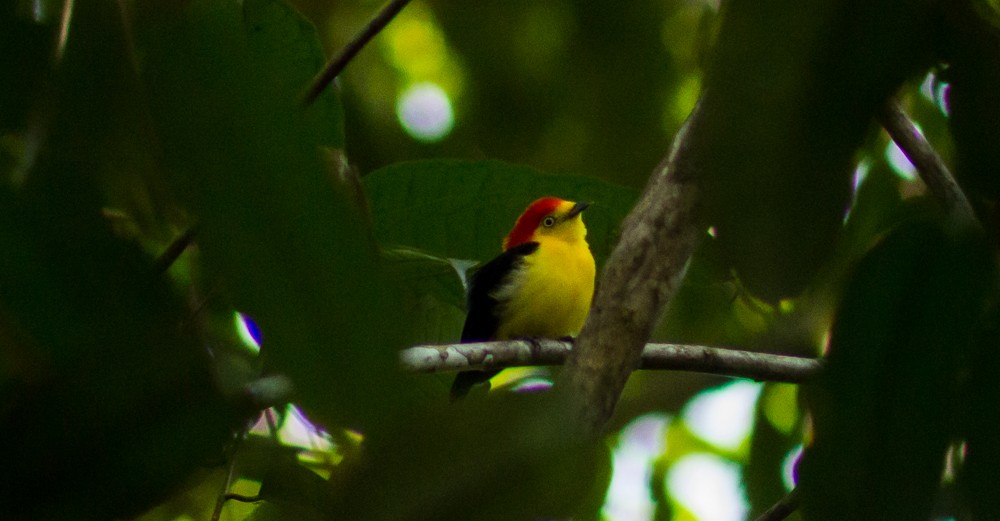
(860, 174)
(247, 331)
(781, 406)
(935, 91)
(416, 45)
(425, 112)
(899, 162)
(788, 467)
(639, 444)
(709, 487)
(723, 416)
(684, 98)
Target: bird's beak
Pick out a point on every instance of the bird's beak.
(576, 209)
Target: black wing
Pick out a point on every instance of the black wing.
(482, 320)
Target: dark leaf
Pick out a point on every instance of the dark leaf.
(108, 397)
(288, 481)
(508, 458)
(25, 51)
(973, 56)
(790, 94)
(287, 54)
(291, 249)
(981, 423)
(885, 407)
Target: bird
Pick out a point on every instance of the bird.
(540, 286)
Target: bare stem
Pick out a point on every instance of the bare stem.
(782, 509)
(175, 249)
(336, 65)
(928, 163)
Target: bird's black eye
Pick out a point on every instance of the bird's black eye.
(549, 221)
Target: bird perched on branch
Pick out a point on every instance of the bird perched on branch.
(539, 287)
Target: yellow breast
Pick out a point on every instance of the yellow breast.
(549, 296)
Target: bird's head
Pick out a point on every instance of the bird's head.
(548, 217)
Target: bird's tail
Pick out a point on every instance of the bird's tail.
(466, 380)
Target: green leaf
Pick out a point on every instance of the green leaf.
(109, 400)
(431, 292)
(287, 54)
(290, 247)
(885, 407)
(25, 51)
(498, 459)
(463, 209)
(784, 111)
(425, 274)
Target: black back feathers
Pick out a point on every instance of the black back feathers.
(483, 320)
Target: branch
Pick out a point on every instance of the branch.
(928, 163)
(675, 357)
(783, 508)
(336, 65)
(641, 275)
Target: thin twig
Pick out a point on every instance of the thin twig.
(221, 500)
(675, 357)
(175, 249)
(337, 63)
(928, 163)
(783, 508)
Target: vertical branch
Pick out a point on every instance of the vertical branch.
(338, 62)
(641, 276)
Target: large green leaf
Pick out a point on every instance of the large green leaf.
(431, 291)
(289, 245)
(786, 106)
(463, 209)
(288, 53)
(109, 401)
(885, 406)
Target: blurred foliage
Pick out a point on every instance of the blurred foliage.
(130, 129)
(902, 339)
